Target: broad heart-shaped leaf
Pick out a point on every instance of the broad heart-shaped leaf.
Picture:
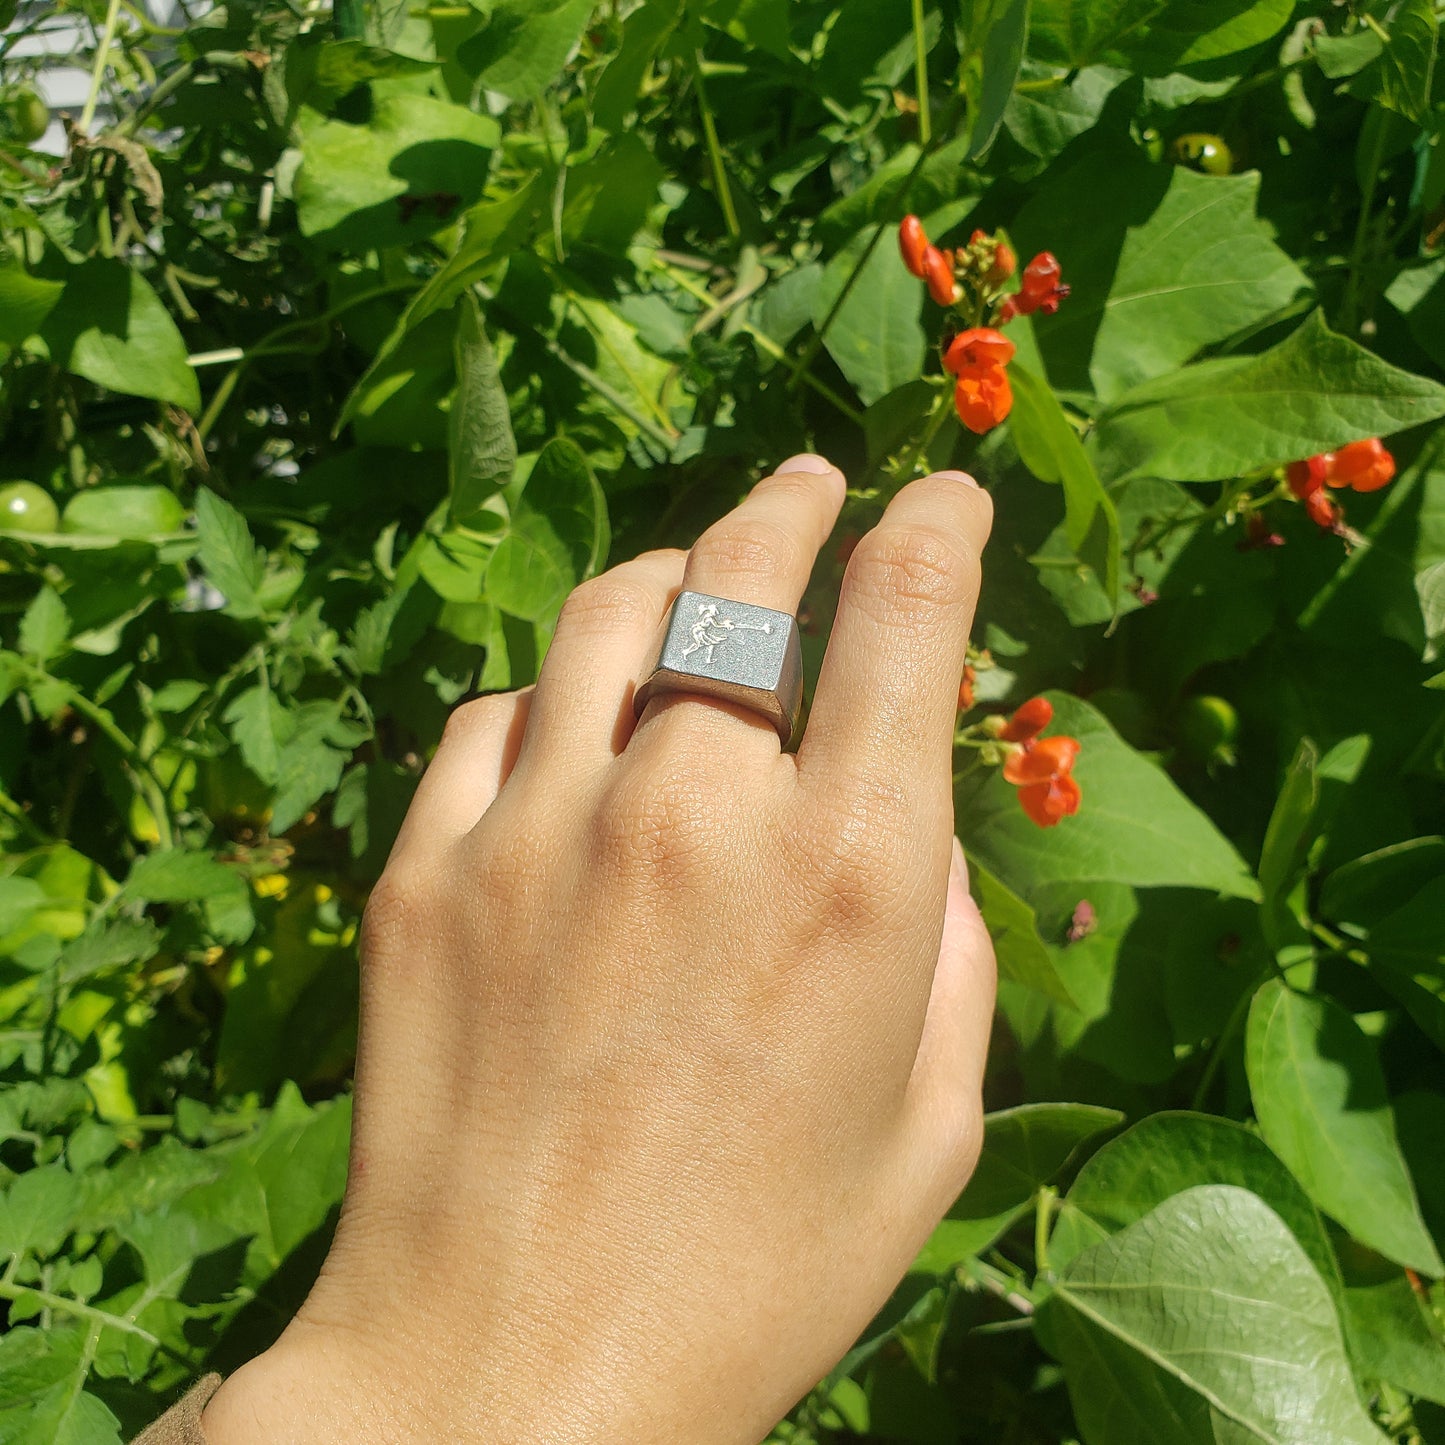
(1156, 36)
(1052, 451)
(1133, 827)
(876, 338)
(1397, 1337)
(110, 327)
(1166, 1154)
(1023, 1148)
(524, 45)
(1320, 1097)
(558, 534)
(1311, 393)
(1172, 262)
(25, 302)
(1204, 1323)
(482, 453)
(232, 561)
(1013, 927)
(349, 190)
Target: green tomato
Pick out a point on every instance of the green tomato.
(27, 114)
(24, 507)
(1206, 729)
(1203, 152)
(138, 512)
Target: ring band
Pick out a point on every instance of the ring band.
(741, 653)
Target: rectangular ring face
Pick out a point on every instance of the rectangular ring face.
(731, 641)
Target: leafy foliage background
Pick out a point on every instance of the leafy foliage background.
(362, 336)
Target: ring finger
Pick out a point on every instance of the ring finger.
(762, 552)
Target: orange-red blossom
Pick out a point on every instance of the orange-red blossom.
(1041, 768)
(982, 394)
(1364, 466)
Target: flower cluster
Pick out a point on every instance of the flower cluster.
(970, 281)
(1362, 466)
(1041, 768)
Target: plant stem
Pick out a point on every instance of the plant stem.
(920, 73)
(936, 418)
(714, 151)
(1226, 1035)
(1043, 1217)
(102, 59)
(1349, 310)
(67, 1306)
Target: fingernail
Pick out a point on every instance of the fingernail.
(806, 462)
(963, 477)
(960, 863)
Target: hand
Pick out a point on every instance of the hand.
(671, 1042)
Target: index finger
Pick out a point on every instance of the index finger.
(887, 697)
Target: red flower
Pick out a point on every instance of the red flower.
(965, 688)
(1051, 802)
(1028, 721)
(1041, 760)
(983, 399)
(938, 272)
(980, 348)
(912, 242)
(1041, 768)
(1005, 263)
(1364, 465)
(1040, 290)
(1308, 476)
(1322, 511)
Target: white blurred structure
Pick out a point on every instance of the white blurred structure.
(63, 44)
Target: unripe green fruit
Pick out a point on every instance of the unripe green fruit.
(1203, 152)
(1206, 729)
(28, 116)
(24, 507)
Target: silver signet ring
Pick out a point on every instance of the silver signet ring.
(731, 650)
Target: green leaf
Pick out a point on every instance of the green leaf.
(1050, 448)
(524, 45)
(481, 450)
(45, 625)
(1407, 954)
(25, 302)
(991, 67)
(39, 1209)
(1023, 1148)
(1134, 826)
(175, 876)
(558, 534)
(316, 748)
(41, 1399)
(1164, 1155)
(1403, 77)
(1430, 588)
(1311, 393)
(1322, 1105)
(232, 561)
(877, 338)
(1157, 36)
(110, 327)
(1013, 927)
(1204, 1322)
(259, 725)
(1287, 838)
(1173, 263)
(1397, 1337)
(320, 74)
(349, 190)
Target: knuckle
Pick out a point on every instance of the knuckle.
(853, 856)
(398, 909)
(911, 565)
(608, 603)
(478, 716)
(751, 546)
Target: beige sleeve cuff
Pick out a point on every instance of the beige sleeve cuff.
(181, 1424)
